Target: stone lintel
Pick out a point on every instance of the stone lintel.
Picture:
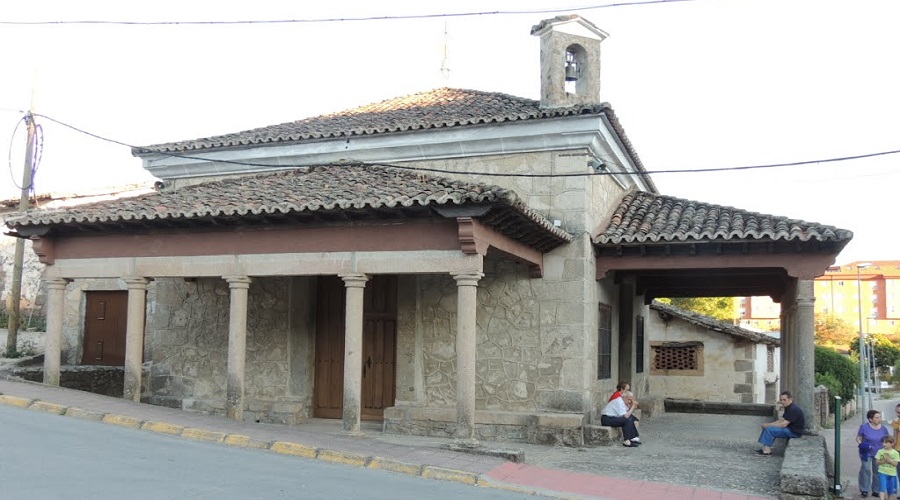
(287, 264)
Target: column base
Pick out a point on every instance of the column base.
(469, 443)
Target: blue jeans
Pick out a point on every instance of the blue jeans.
(770, 434)
(868, 476)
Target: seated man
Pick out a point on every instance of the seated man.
(618, 413)
(790, 425)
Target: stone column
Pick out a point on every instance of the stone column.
(134, 337)
(788, 338)
(466, 304)
(237, 346)
(353, 344)
(805, 352)
(56, 308)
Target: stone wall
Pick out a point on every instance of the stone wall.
(530, 339)
(187, 347)
(727, 369)
(32, 293)
(105, 380)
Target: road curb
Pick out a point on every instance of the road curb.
(281, 447)
(16, 401)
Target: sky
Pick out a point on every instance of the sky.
(696, 84)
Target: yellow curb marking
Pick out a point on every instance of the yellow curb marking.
(245, 442)
(15, 401)
(48, 407)
(203, 435)
(297, 450)
(163, 428)
(393, 466)
(111, 418)
(84, 414)
(343, 457)
(443, 474)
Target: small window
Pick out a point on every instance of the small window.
(639, 344)
(677, 358)
(604, 343)
(770, 358)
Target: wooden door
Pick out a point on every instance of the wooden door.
(379, 347)
(105, 320)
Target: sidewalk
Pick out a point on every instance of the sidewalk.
(849, 451)
(685, 456)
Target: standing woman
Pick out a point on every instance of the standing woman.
(869, 439)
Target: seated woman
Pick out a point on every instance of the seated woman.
(623, 385)
(618, 413)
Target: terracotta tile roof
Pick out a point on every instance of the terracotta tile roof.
(435, 109)
(643, 217)
(714, 324)
(355, 191)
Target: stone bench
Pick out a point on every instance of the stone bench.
(804, 469)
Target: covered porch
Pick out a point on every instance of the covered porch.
(661, 246)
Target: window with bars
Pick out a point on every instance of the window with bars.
(604, 343)
(676, 358)
(770, 358)
(639, 344)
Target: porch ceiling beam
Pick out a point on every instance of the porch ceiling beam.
(798, 265)
(476, 238)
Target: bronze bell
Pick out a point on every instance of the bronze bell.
(571, 72)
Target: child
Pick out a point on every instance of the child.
(887, 459)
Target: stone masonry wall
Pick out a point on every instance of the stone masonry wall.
(553, 364)
(187, 345)
(728, 364)
(529, 337)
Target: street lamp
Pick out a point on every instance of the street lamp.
(863, 369)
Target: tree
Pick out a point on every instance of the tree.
(833, 331)
(721, 308)
(833, 366)
(886, 352)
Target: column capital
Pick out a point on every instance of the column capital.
(57, 283)
(468, 279)
(238, 281)
(354, 280)
(139, 283)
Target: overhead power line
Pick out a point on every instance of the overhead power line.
(347, 19)
(487, 174)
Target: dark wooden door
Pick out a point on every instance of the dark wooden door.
(105, 321)
(379, 347)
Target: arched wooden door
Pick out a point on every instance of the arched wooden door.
(379, 347)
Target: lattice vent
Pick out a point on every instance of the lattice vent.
(676, 358)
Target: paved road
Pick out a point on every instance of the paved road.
(47, 457)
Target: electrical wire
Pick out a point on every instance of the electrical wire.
(10, 150)
(486, 174)
(346, 19)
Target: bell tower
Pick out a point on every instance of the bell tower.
(570, 61)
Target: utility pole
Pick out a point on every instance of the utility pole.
(15, 293)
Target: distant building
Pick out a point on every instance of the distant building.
(838, 294)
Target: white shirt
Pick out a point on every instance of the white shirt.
(615, 408)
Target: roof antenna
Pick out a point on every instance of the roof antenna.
(445, 71)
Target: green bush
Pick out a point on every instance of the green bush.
(27, 320)
(845, 371)
(833, 385)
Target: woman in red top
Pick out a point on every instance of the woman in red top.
(623, 385)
